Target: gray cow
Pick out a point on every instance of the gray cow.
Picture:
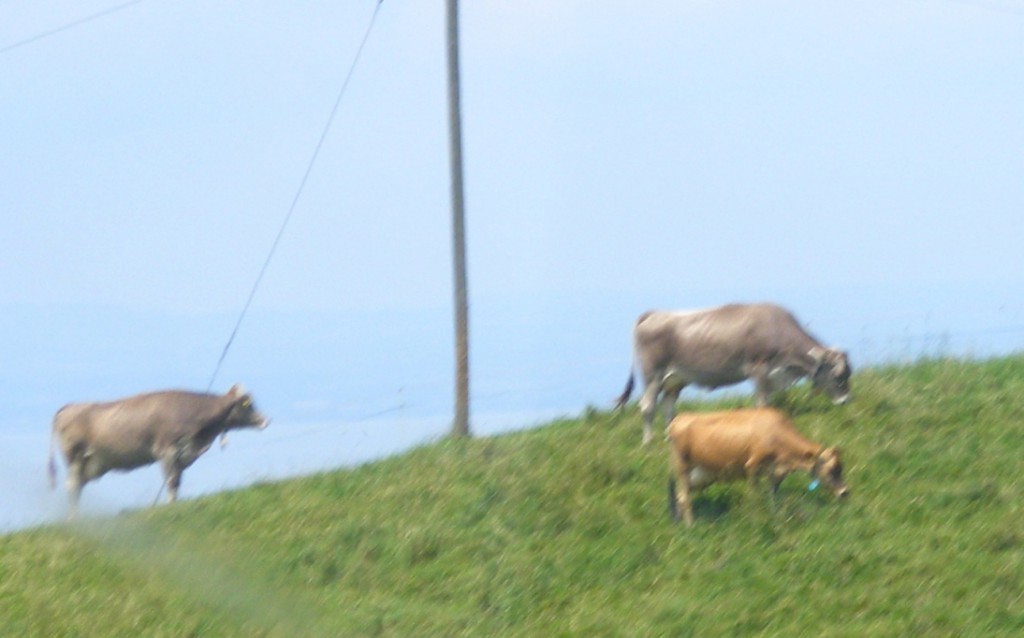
(727, 345)
(173, 427)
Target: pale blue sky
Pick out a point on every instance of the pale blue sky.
(840, 158)
(610, 146)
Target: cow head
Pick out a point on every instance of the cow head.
(831, 373)
(828, 469)
(243, 412)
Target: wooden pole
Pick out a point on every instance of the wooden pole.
(460, 423)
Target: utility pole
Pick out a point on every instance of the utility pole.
(460, 423)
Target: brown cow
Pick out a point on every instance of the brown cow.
(731, 445)
(173, 427)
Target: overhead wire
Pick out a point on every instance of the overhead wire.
(70, 25)
(291, 210)
(295, 200)
(302, 183)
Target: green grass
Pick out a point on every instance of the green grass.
(563, 530)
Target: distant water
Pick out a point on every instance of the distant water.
(345, 388)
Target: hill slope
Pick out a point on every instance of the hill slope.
(562, 530)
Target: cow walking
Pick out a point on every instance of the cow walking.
(724, 446)
(173, 427)
(724, 346)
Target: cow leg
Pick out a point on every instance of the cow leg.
(172, 477)
(684, 499)
(648, 406)
(668, 404)
(757, 466)
(762, 390)
(173, 482)
(762, 384)
(754, 467)
(75, 481)
(776, 479)
(82, 467)
(682, 490)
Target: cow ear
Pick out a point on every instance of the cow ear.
(839, 356)
(820, 356)
(240, 397)
(816, 458)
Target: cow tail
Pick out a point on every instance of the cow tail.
(621, 401)
(673, 505)
(51, 467)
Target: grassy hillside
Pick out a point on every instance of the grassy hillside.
(563, 531)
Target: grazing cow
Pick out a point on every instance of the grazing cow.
(724, 446)
(173, 427)
(726, 345)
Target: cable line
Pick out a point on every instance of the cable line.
(295, 200)
(69, 25)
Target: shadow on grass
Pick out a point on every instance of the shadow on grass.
(790, 506)
(711, 506)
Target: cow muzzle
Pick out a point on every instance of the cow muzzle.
(842, 400)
